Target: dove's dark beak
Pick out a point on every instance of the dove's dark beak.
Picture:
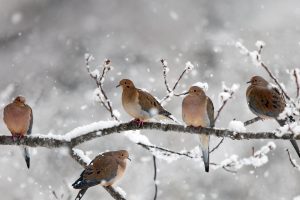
(185, 93)
(248, 82)
(118, 86)
(129, 159)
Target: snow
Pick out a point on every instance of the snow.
(227, 92)
(165, 63)
(202, 85)
(173, 15)
(95, 73)
(6, 93)
(89, 57)
(254, 55)
(260, 44)
(16, 18)
(81, 154)
(81, 130)
(258, 159)
(137, 137)
(120, 191)
(296, 198)
(236, 126)
(189, 66)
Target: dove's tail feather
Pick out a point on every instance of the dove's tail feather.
(296, 147)
(80, 194)
(82, 184)
(26, 156)
(204, 144)
(282, 122)
(168, 115)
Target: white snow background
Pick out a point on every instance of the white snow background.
(42, 47)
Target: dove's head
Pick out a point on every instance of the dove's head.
(121, 155)
(20, 99)
(258, 80)
(196, 91)
(126, 83)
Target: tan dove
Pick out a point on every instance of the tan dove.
(198, 111)
(140, 104)
(105, 169)
(18, 119)
(266, 102)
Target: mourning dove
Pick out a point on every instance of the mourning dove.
(140, 104)
(18, 119)
(198, 111)
(105, 169)
(266, 102)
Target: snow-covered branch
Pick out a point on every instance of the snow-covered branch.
(258, 159)
(92, 131)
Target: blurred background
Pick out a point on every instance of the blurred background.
(42, 47)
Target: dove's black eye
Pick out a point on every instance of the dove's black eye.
(194, 90)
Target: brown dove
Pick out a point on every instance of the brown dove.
(18, 119)
(198, 111)
(105, 169)
(267, 102)
(140, 104)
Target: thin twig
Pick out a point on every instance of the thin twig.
(291, 160)
(222, 106)
(296, 81)
(216, 147)
(251, 121)
(275, 80)
(167, 151)
(180, 77)
(154, 178)
(165, 68)
(171, 92)
(99, 82)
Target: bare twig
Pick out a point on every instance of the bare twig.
(167, 152)
(223, 104)
(293, 162)
(171, 91)
(295, 74)
(275, 80)
(154, 178)
(99, 80)
(217, 146)
(251, 121)
(165, 71)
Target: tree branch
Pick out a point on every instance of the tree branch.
(53, 142)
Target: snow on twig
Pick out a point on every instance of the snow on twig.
(99, 80)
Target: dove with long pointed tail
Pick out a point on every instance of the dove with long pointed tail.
(140, 104)
(105, 169)
(198, 111)
(19, 119)
(265, 101)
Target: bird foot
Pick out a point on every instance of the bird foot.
(138, 122)
(17, 137)
(14, 138)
